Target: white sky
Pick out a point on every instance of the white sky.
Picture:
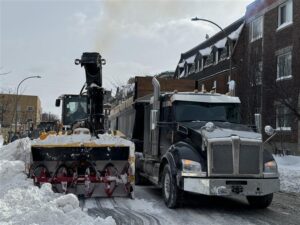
(136, 37)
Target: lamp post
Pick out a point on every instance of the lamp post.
(16, 110)
(229, 40)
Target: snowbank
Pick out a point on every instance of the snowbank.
(21, 203)
(1, 140)
(17, 150)
(289, 173)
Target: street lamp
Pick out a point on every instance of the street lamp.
(229, 40)
(16, 111)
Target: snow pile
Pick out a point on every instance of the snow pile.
(1, 140)
(289, 173)
(64, 139)
(17, 150)
(103, 139)
(22, 203)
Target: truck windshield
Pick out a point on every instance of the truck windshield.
(198, 111)
(75, 108)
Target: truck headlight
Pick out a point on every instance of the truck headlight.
(191, 168)
(270, 169)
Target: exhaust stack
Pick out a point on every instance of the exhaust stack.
(156, 94)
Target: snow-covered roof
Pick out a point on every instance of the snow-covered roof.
(200, 97)
(191, 59)
(205, 51)
(181, 65)
(235, 34)
(221, 43)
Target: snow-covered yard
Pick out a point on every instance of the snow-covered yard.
(289, 170)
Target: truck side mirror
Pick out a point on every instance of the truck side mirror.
(57, 102)
(269, 130)
(153, 119)
(257, 117)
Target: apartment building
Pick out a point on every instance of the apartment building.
(264, 57)
(28, 109)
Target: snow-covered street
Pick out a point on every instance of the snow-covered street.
(149, 208)
(22, 203)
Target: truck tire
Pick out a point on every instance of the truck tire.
(169, 188)
(260, 202)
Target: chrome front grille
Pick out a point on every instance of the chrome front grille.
(222, 159)
(235, 157)
(249, 159)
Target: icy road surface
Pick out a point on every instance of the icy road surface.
(149, 208)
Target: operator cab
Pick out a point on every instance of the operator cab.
(74, 109)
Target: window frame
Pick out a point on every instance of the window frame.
(216, 57)
(214, 87)
(203, 59)
(252, 38)
(288, 14)
(286, 113)
(288, 76)
(30, 108)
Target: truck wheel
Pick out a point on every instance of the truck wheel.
(260, 202)
(169, 188)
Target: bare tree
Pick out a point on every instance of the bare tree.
(49, 117)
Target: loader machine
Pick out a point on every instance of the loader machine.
(85, 160)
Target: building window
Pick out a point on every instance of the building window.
(186, 69)
(216, 57)
(30, 108)
(209, 60)
(202, 63)
(203, 87)
(284, 66)
(285, 14)
(214, 85)
(192, 68)
(283, 118)
(256, 31)
(224, 53)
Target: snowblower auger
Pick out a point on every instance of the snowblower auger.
(88, 162)
(84, 170)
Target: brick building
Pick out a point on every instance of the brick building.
(265, 67)
(273, 66)
(28, 108)
(209, 62)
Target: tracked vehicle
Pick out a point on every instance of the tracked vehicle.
(85, 160)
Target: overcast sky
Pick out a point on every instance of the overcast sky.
(135, 37)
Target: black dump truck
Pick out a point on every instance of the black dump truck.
(193, 141)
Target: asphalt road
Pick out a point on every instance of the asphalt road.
(149, 208)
